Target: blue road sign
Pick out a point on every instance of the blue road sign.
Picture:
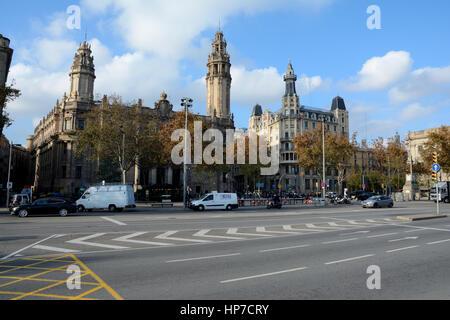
(436, 167)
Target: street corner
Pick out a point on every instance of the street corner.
(63, 277)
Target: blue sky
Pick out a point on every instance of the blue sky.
(393, 79)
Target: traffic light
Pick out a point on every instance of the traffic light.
(434, 176)
(435, 157)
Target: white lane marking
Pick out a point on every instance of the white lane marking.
(356, 232)
(203, 233)
(383, 235)
(362, 223)
(403, 239)
(235, 231)
(264, 275)
(167, 236)
(127, 238)
(27, 247)
(337, 241)
(399, 249)
(349, 259)
(263, 230)
(421, 228)
(289, 228)
(437, 242)
(204, 258)
(312, 226)
(413, 230)
(334, 224)
(48, 248)
(83, 242)
(286, 248)
(114, 221)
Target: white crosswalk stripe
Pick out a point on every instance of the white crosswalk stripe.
(290, 228)
(127, 238)
(167, 236)
(235, 231)
(263, 230)
(48, 248)
(83, 241)
(203, 233)
(313, 226)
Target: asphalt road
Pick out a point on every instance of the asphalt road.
(294, 253)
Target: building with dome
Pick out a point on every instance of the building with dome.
(282, 127)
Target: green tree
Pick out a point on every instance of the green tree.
(438, 141)
(106, 125)
(7, 94)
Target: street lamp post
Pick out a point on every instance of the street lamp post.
(186, 103)
(9, 171)
(411, 169)
(323, 152)
(123, 155)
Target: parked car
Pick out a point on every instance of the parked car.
(114, 198)
(355, 194)
(18, 200)
(46, 206)
(216, 201)
(378, 202)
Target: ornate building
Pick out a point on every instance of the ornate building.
(218, 79)
(53, 144)
(52, 147)
(5, 59)
(281, 128)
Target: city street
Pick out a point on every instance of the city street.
(295, 253)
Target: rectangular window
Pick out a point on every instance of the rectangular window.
(307, 184)
(335, 128)
(67, 125)
(78, 172)
(80, 124)
(306, 124)
(314, 125)
(64, 172)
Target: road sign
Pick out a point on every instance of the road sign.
(436, 167)
(364, 186)
(324, 185)
(9, 185)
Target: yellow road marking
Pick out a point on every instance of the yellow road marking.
(108, 288)
(46, 280)
(29, 265)
(30, 277)
(44, 295)
(100, 284)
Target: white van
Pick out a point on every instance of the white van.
(113, 198)
(216, 201)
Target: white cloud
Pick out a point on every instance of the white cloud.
(421, 83)
(264, 86)
(307, 85)
(158, 35)
(39, 88)
(415, 111)
(381, 72)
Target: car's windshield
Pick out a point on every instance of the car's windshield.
(373, 198)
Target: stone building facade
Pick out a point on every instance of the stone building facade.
(5, 59)
(281, 128)
(52, 146)
(416, 141)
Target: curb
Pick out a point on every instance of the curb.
(421, 217)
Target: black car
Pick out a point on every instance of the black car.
(46, 206)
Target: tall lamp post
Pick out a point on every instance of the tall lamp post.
(186, 103)
(123, 155)
(323, 153)
(9, 171)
